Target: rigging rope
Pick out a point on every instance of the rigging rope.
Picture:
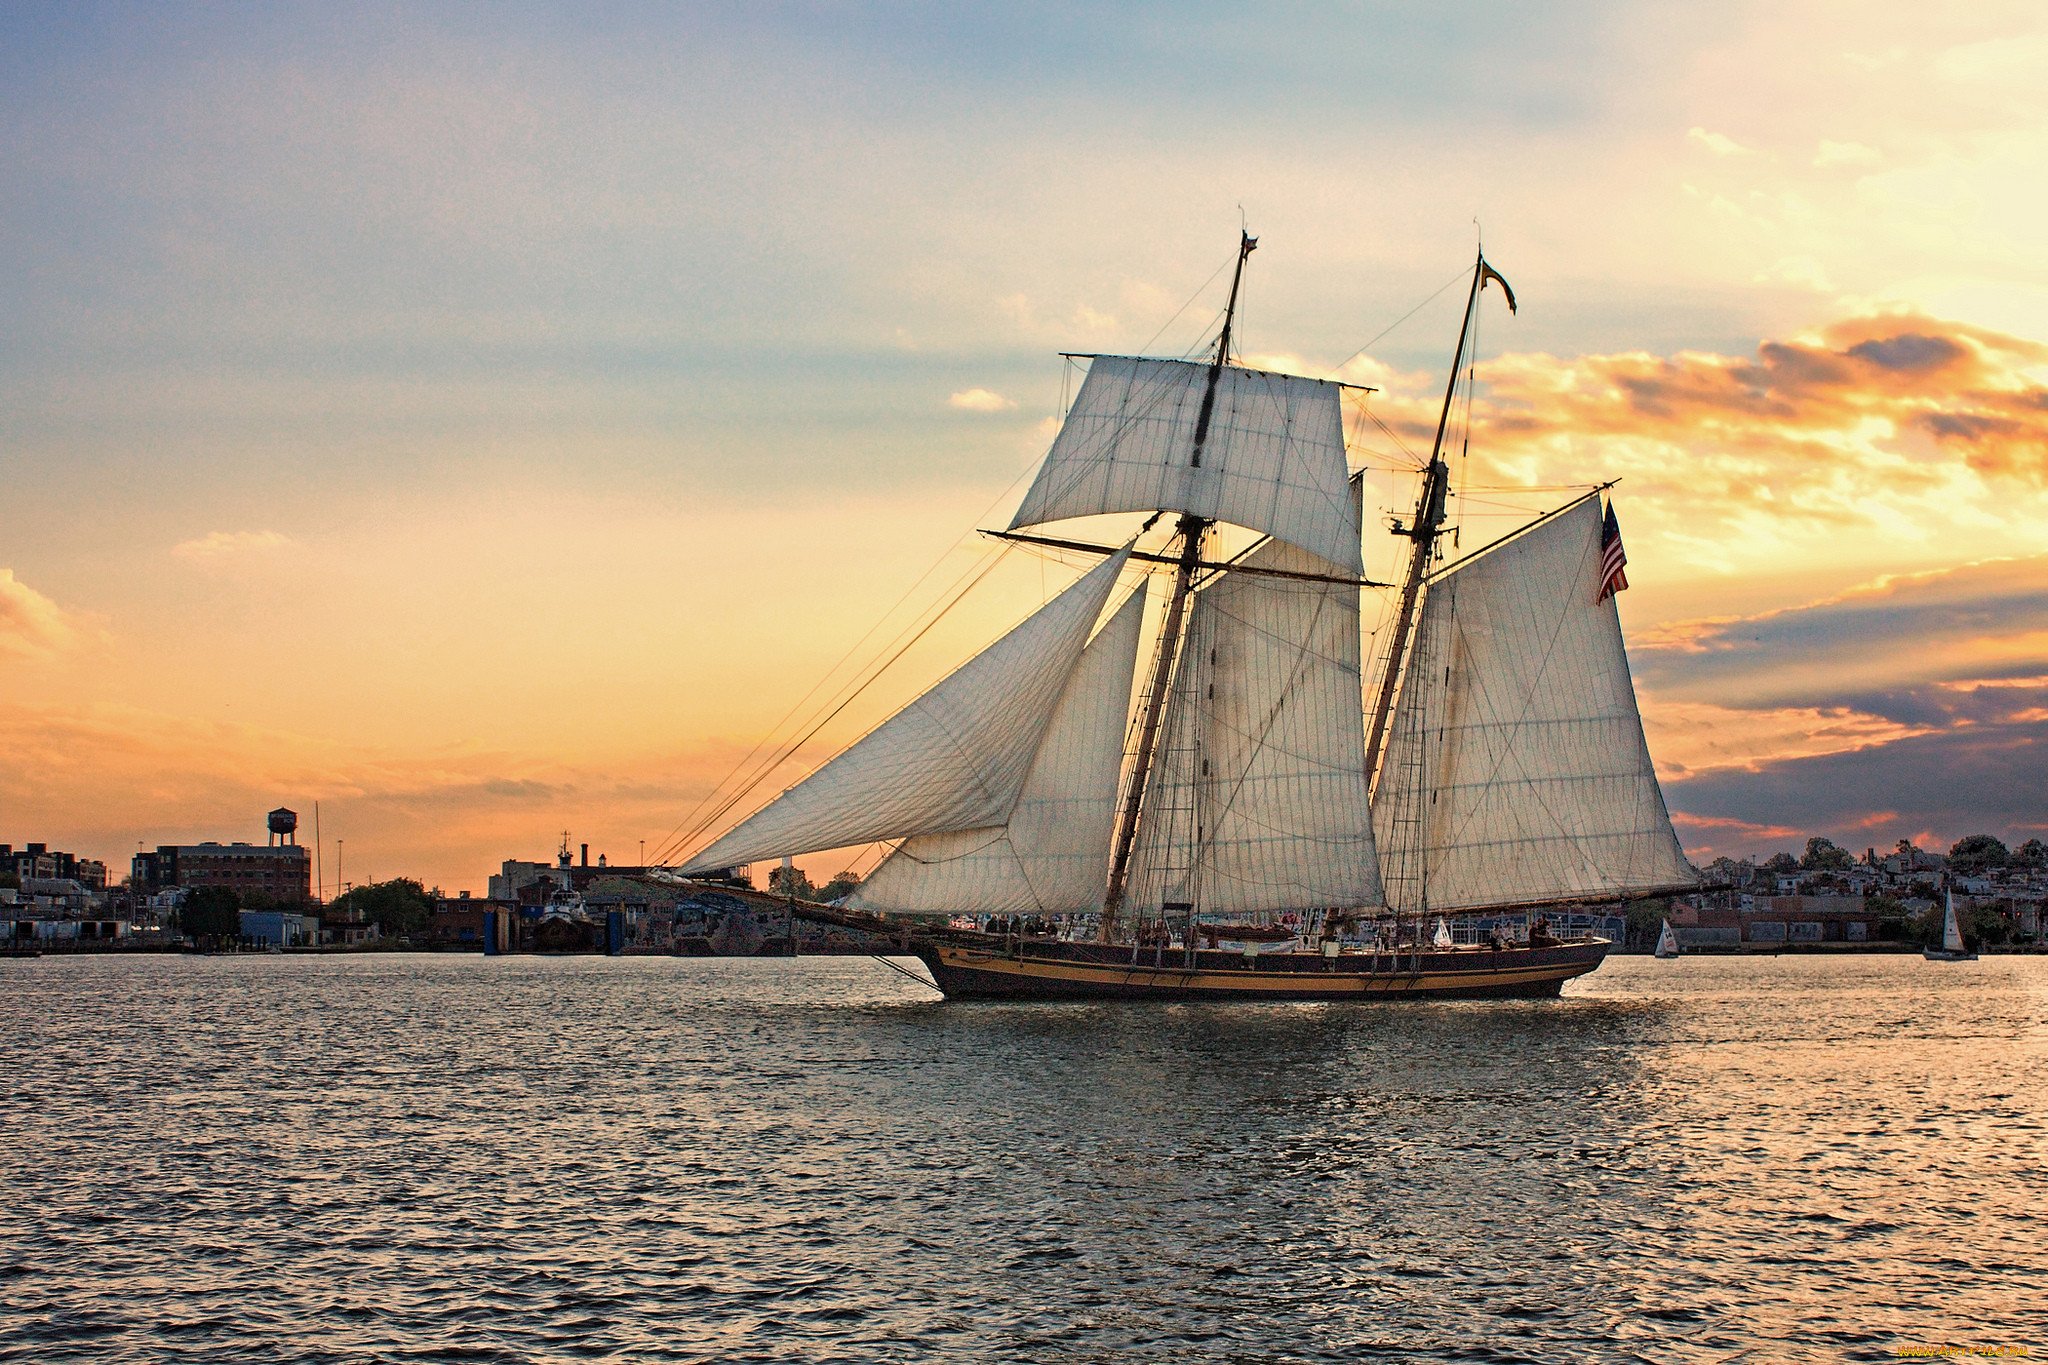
(1462, 274)
(964, 585)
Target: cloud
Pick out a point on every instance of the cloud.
(30, 623)
(219, 547)
(1976, 623)
(1845, 154)
(1719, 144)
(1968, 387)
(1978, 779)
(1913, 703)
(980, 400)
(1899, 426)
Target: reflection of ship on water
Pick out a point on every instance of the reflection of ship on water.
(1496, 766)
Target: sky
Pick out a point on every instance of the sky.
(491, 422)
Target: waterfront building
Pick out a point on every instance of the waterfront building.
(346, 928)
(56, 896)
(42, 861)
(280, 870)
(515, 876)
(279, 928)
(20, 925)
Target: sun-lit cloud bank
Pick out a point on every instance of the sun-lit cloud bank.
(218, 547)
(1913, 707)
(1900, 426)
(30, 623)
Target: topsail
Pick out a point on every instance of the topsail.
(1270, 457)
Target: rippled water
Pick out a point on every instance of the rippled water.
(454, 1158)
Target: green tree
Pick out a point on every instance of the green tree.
(845, 884)
(399, 908)
(2033, 853)
(211, 913)
(1646, 920)
(1984, 924)
(1780, 865)
(1823, 855)
(1977, 853)
(1894, 920)
(791, 882)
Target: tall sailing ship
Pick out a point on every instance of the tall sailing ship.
(1248, 779)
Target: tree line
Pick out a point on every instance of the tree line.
(399, 908)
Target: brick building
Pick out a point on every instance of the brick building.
(40, 860)
(277, 873)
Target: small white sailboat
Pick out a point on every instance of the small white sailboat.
(1951, 949)
(1667, 941)
(1442, 937)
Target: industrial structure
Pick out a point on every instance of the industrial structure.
(280, 870)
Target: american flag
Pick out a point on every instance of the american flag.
(1612, 558)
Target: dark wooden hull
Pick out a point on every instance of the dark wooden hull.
(1048, 970)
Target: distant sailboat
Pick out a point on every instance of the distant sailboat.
(1667, 942)
(1952, 948)
(1498, 766)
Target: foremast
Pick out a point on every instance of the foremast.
(1424, 530)
(1189, 530)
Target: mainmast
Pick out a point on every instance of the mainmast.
(1428, 524)
(1190, 530)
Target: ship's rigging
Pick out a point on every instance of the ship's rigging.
(1498, 761)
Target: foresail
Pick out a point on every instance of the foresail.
(1260, 799)
(1517, 772)
(953, 759)
(1052, 856)
(1272, 456)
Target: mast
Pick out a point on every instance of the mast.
(1429, 519)
(1190, 530)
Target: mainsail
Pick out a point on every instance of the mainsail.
(1270, 455)
(1052, 854)
(956, 758)
(1517, 772)
(1259, 800)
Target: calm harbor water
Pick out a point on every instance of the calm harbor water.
(435, 1158)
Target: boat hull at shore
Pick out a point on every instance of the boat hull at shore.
(1073, 971)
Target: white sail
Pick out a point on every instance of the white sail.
(1259, 796)
(955, 758)
(1272, 458)
(1667, 941)
(1951, 931)
(1517, 772)
(1052, 855)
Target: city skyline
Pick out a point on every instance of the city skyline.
(489, 427)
